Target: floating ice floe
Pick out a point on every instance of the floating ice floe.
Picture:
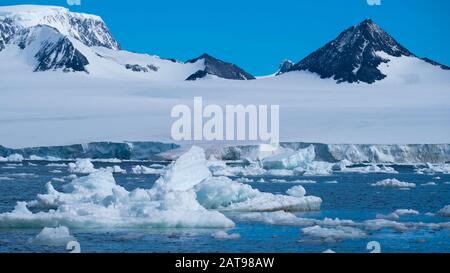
(445, 211)
(370, 169)
(334, 234)
(83, 166)
(224, 194)
(297, 191)
(146, 170)
(244, 180)
(56, 165)
(114, 169)
(299, 181)
(58, 236)
(394, 183)
(394, 216)
(429, 184)
(378, 224)
(182, 197)
(329, 251)
(405, 212)
(278, 180)
(434, 168)
(222, 235)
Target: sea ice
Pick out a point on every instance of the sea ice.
(146, 170)
(297, 191)
(370, 169)
(83, 166)
(224, 194)
(394, 183)
(58, 236)
(179, 198)
(333, 234)
(96, 201)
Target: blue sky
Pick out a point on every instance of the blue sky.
(258, 35)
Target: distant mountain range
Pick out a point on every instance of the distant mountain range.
(47, 38)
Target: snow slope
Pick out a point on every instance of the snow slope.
(125, 96)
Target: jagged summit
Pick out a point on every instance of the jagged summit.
(285, 66)
(352, 56)
(219, 68)
(89, 29)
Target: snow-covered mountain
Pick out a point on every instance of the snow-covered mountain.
(91, 30)
(47, 38)
(357, 54)
(218, 68)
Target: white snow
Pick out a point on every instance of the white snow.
(140, 169)
(227, 195)
(378, 224)
(58, 236)
(402, 212)
(394, 183)
(411, 103)
(83, 166)
(297, 191)
(333, 234)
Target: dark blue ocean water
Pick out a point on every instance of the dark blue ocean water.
(352, 198)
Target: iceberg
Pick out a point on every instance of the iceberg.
(58, 236)
(297, 191)
(286, 158)
(82, 166)
(225, 194)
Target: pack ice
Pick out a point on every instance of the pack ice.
(187, 195)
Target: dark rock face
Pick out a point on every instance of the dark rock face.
(93, 33)
(139, 68)
(7, 30)
(445, 67)
(219, 68)
(285, 66)
(60, 55)
(352, 57)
